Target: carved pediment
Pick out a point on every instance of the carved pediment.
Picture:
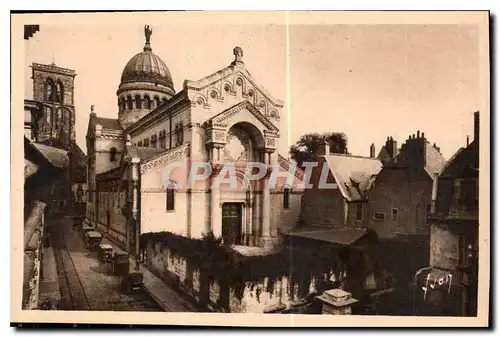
(223, 118)
(233, 81)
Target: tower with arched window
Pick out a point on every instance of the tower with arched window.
(53, 87)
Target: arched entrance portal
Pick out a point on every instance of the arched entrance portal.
(243, 142)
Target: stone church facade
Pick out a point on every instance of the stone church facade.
(139, 164)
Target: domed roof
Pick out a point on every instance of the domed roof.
(147, 67)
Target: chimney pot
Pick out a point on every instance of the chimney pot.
(476, 126)
(423, 135)
(418, 134)
(413, 136)
(467, 140)
(372, 151)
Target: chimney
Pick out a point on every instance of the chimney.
(92, 110)
(372, 151)
(467, 140)
(423, 135)
(391, 147)
(434, 193)
(476, 126)
(418, 134)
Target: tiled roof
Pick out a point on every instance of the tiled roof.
(57, 157)
(354, 175)
(434, 161)
(340, 236)
(109, 123)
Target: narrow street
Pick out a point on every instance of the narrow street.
(84, 282)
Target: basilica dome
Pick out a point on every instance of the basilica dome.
(147, 67)
(146, 84)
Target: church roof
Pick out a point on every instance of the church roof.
(354, 175)
(109, 123)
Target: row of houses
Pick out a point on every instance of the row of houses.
(422, 208)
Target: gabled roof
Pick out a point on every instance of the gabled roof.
(226, 72)
(354, 175)
(109, 123)
(434, 161)
(383, 156)
(56, 157)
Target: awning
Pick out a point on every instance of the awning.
(55, 156)
(339, 236)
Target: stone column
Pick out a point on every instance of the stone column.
(215, 204)
(266, 204)
(135, 205)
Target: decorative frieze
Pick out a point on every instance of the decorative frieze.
(169, 156)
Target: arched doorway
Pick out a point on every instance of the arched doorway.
(243, 142)
(232, 221)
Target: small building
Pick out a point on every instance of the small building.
(448, 286)
(400, 198)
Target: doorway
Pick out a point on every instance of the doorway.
(232, 222)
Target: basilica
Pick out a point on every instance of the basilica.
(224, 118)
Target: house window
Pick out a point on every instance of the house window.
(359, 212)
(286, 198)
(157, 102)
(394, 214)
(139, 143)
(112, 154)
(170, 198)
(379, 216)
(146, 142)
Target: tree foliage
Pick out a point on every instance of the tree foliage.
(310, 145)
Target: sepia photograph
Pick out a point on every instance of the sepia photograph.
(251, 168)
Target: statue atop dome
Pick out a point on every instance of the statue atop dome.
(147, 32)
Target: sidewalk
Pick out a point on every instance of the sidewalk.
(166, 297)
(49, 286)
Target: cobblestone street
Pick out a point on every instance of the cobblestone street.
(84, 282)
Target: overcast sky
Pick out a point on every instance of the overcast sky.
(369, 81)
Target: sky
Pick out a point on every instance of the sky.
(368, 81)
